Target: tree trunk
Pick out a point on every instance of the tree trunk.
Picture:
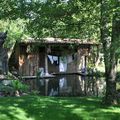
(110, 77)
(109, 49)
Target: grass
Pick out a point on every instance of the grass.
(56, 108)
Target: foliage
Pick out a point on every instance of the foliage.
(64, 19)
(68, 19)
(110, 34)
(12, 86)
(6, 89)
(16, 30)
(18, 85)
(34, 92)
(40, 73)
(72, 19)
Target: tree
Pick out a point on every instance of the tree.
(74, 19)
(110, 33)
(71, 19)
(55, 18)
(16, 30)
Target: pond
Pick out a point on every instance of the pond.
(68, 85)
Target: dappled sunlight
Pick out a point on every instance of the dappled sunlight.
(55, 108)
(13, 113)
(114, 110)
(70, 106)
(20, 114)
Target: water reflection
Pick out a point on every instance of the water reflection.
(69, 85)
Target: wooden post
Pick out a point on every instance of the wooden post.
(85, 64)
(46, 86)
(46, 62)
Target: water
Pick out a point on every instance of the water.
(68, 85)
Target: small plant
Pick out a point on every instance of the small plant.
(34, 92)
(19, 87)
(16, 84)
(6, 90)
(40, 73)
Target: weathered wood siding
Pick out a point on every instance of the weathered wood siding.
(30, 62)
(28, 65)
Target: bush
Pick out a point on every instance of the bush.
(18, 85)
(13, 87)
(34, 92)
(6, 90)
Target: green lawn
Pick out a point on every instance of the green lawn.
(53, 108)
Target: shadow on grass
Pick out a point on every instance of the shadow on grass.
(50, 108)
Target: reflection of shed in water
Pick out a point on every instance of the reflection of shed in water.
(52, 54)
(68, 85)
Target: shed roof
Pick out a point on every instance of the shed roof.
(58, 41)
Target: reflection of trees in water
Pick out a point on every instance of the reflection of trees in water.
(85, 86)
(82, 86)
(93, 86)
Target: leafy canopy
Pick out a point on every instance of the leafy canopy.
(56, 18)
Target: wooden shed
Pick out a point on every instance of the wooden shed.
(51, 55)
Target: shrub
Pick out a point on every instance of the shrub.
(18, 85)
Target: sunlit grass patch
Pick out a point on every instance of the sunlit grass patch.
(56, 108)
